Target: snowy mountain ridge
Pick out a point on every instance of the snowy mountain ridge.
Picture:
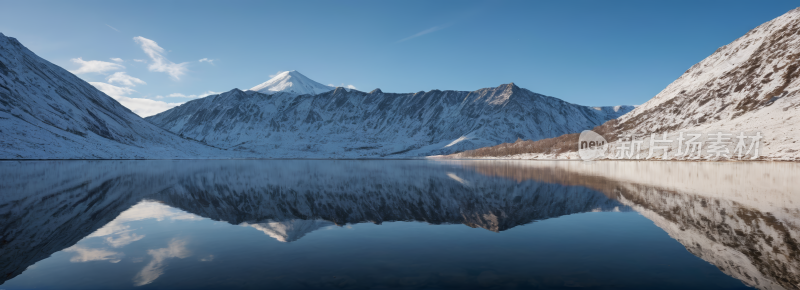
(346, 123)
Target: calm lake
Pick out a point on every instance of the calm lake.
(404, 224)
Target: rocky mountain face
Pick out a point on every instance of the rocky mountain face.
(349, 123)
(48, 113)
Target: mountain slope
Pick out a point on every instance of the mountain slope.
(48, 113)
(350, 123)
(291, 82)
(750, 85)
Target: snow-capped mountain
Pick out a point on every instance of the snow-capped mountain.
(350, 123)
(291, 82)
(47, 112)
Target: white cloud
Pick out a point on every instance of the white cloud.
(154, 269)
(139, 60)
(179, 95)
(211, 61)
(123, 239)
(146, 107)
(160, 62)
(352, 87)
(124, 79)
(140, 106)
(117, 59)
(95, 66)
(89, 254)
(112, 90)
(426, 31)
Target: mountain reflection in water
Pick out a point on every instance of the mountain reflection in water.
(741, 217)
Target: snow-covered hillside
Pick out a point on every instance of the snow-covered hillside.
(350, 124)
(750, 85)
(48, 113)
(291, 82)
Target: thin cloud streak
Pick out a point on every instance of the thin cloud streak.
(109, 26)
(426, 31)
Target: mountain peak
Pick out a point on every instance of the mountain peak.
(510, 88)
(291, 82)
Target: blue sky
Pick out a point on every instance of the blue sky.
(584, 52)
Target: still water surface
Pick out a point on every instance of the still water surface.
(414, 224)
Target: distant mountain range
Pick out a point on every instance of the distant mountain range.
(281, 118)
(48, 113)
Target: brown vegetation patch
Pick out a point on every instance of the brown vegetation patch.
(558, 145)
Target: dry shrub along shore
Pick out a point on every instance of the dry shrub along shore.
(556, 145)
